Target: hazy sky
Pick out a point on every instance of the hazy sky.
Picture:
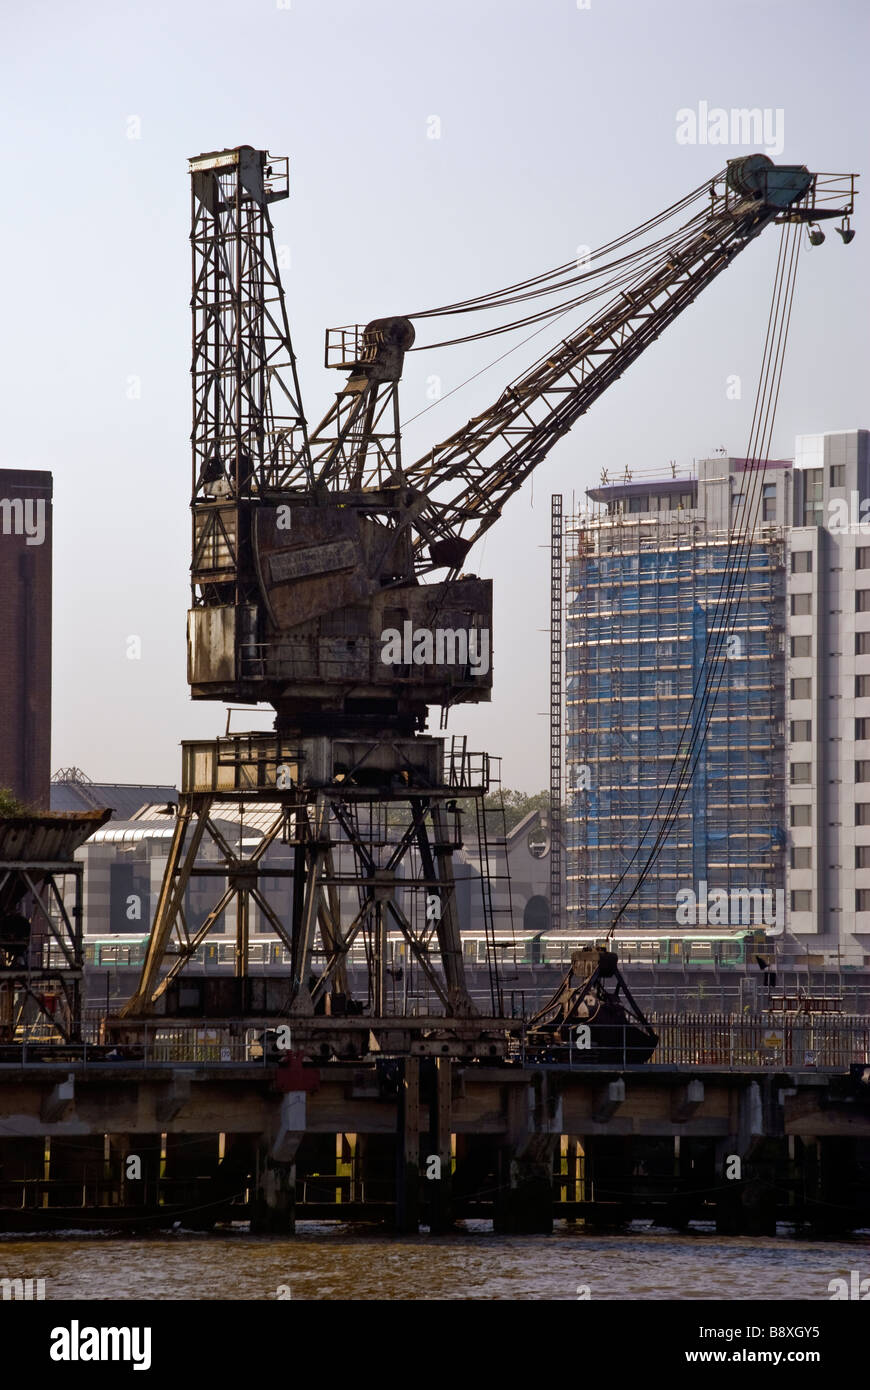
(557, 129)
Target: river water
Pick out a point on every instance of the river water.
(352, 1263)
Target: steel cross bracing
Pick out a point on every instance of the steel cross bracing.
(249, 433)
(358, 443)
(384, 838)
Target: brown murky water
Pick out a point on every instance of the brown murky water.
(341, 1263)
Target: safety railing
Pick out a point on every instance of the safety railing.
(807, 1042)
(802, 1041)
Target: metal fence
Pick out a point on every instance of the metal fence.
(802, 1041)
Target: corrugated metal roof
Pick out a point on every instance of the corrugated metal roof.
(154, 826)
(46, 839)
(259, 816)
(123, 799)
(127, 834)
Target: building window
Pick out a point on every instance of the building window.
(802, 562)
(862, 686)
(862, 557)
(862, 770)
(862, 856)
(814, 486)
(803, 815)
(862, 728)
(801, 688)
(801, 605)
(738, 499)
(801, 900)
(862, 600)
(800, 773)
(638, 504)
(862, 643)
(802, 857)
(862, 899)
(802, 646)
(862, 812)
(838, 475)
(768, 502)
(802, 730)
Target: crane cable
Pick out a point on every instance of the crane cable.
(487, 300)
(759, 431)
(553, 314)
(762, 426)
(549, 283)
(619, 272)
(736, 571)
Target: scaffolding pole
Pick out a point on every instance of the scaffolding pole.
(556, 711)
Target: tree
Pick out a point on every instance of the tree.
(10, 807)
(516, 805)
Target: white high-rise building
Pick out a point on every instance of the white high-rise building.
(828, 697)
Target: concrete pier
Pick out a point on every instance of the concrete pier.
(425, 1142)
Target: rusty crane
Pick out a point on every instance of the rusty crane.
(328, 581)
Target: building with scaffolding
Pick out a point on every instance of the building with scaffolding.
(647, 587)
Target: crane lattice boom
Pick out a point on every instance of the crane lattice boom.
(310, 545)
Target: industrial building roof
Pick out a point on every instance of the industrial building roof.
(122, 798)
(158, 827)
(259, 816)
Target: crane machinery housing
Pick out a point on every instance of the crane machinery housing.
(329, 581)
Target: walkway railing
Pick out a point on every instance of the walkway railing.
(826, 1041)
(803, 1042)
